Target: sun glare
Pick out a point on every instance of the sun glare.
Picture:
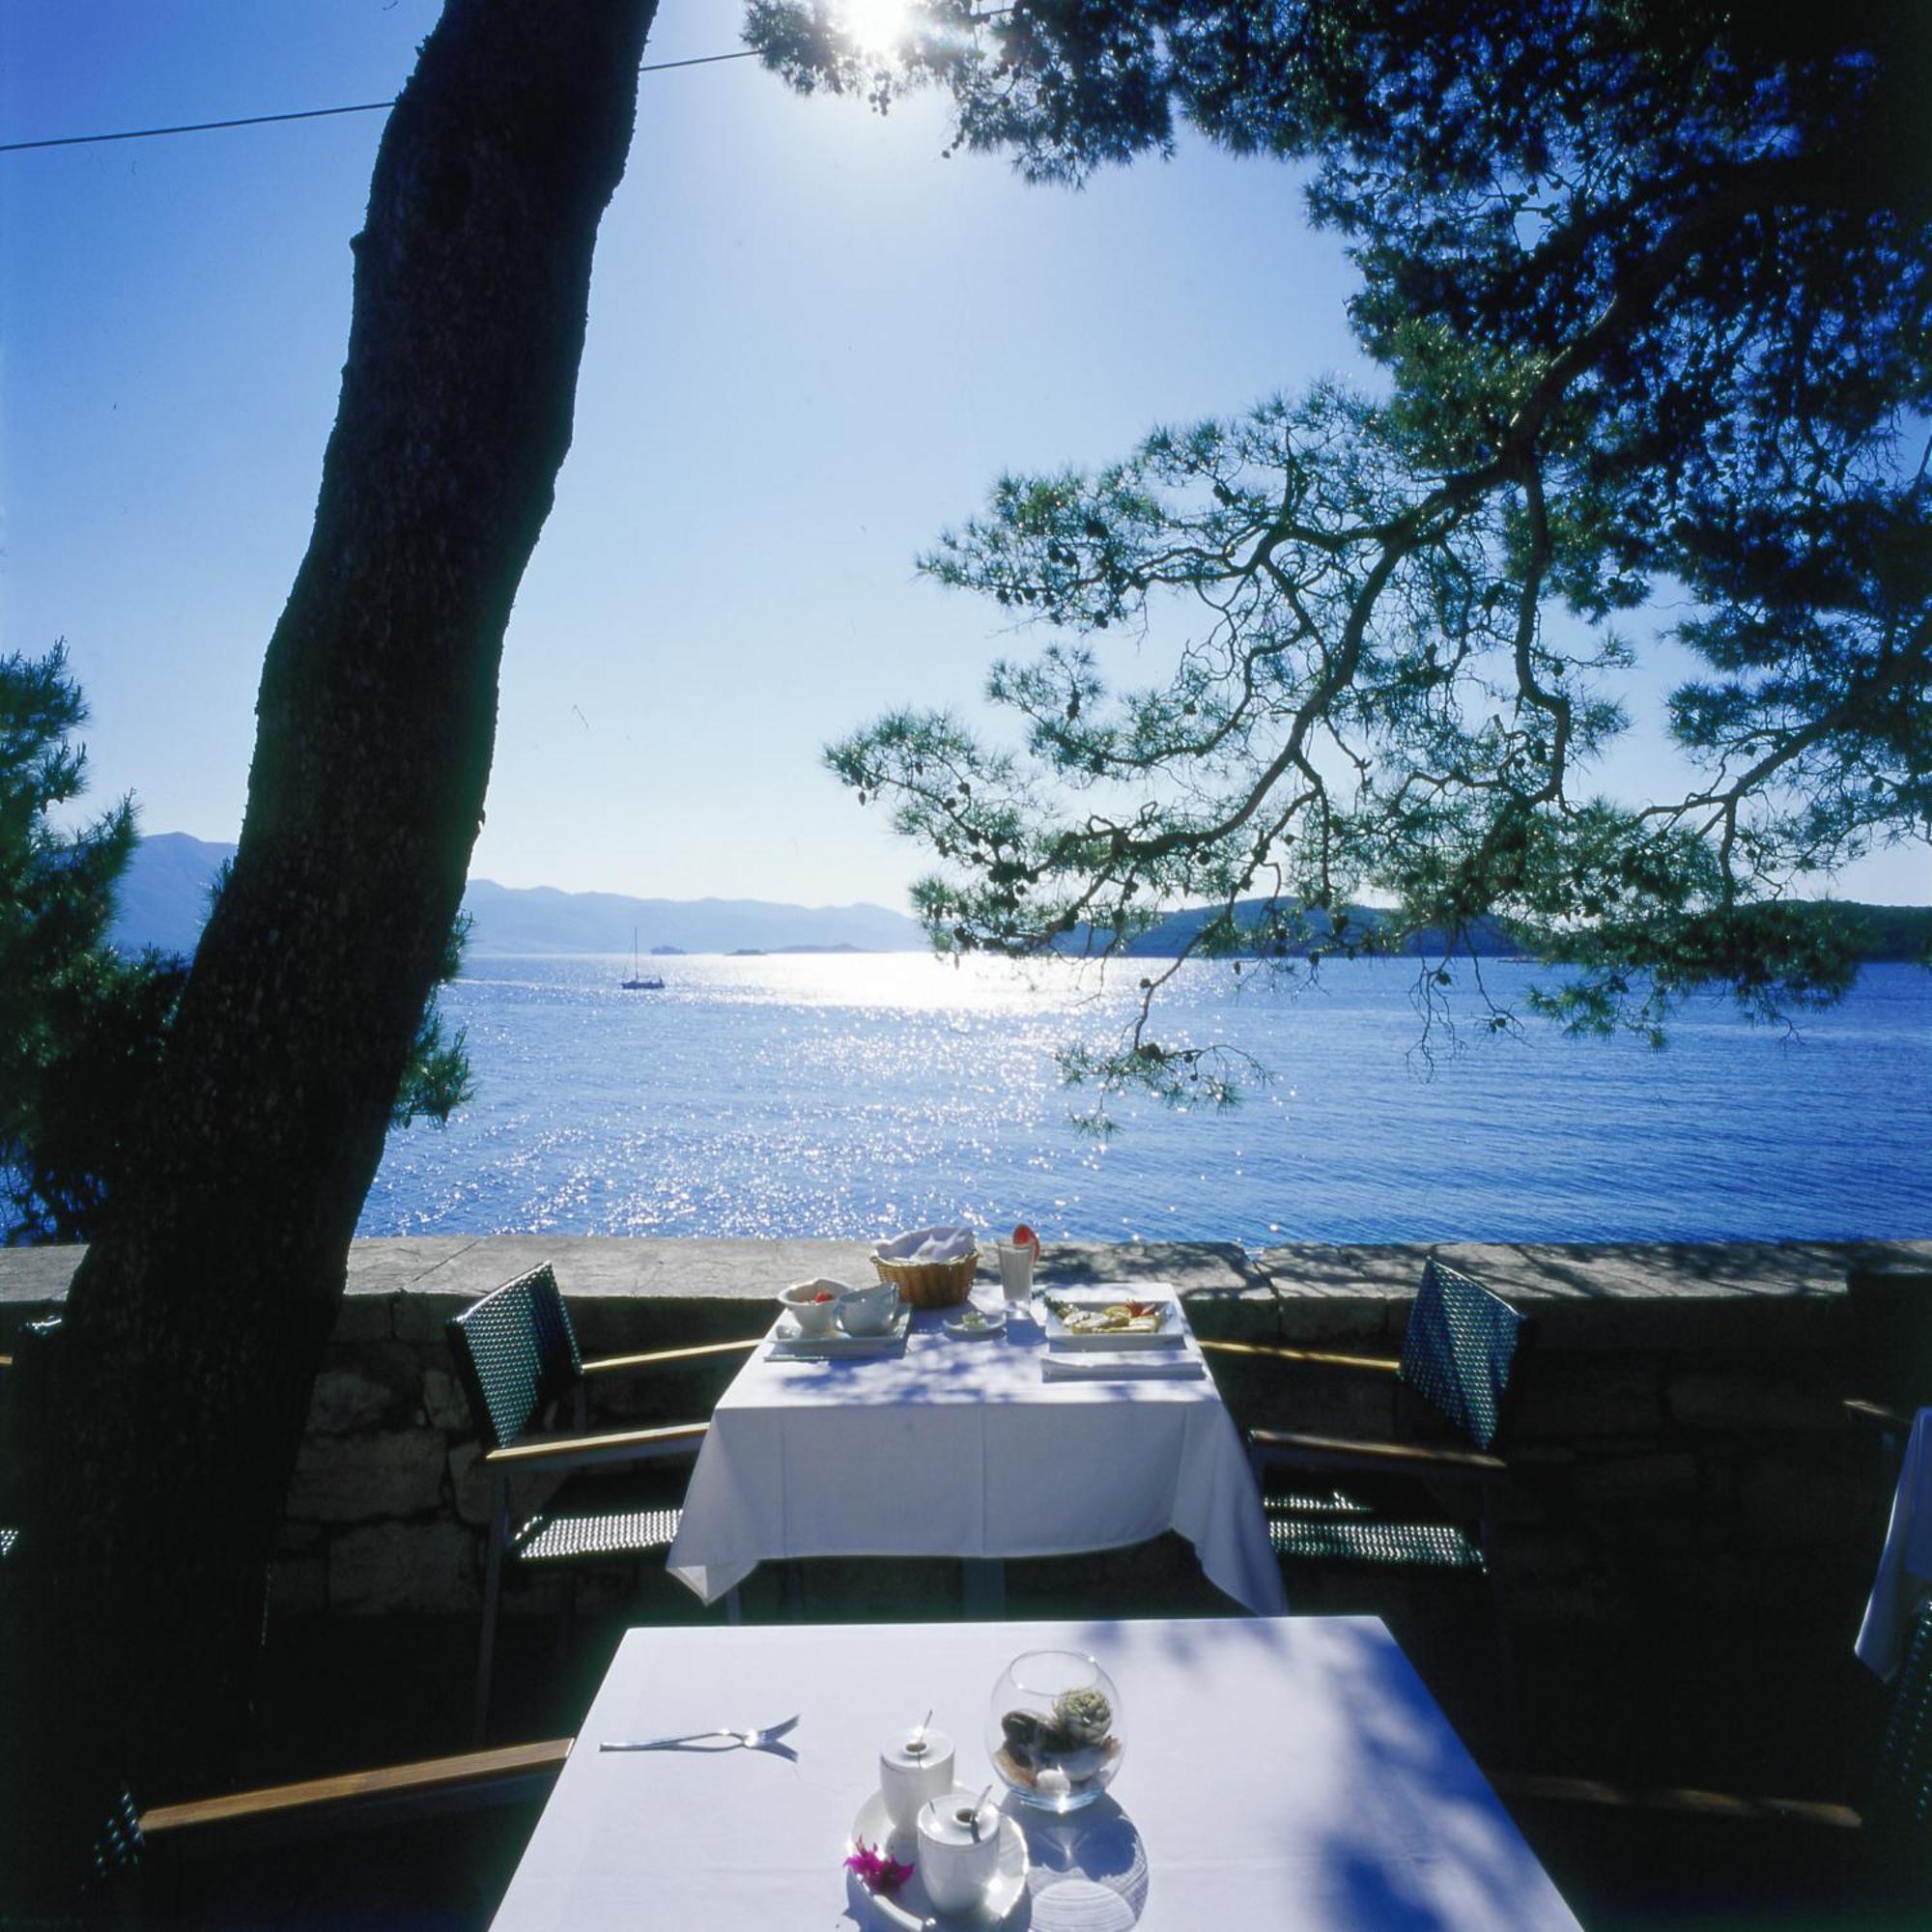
(874, 26)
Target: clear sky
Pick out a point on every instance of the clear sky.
(814, 344)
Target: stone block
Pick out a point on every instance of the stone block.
(419, 1316)
(370, 1385)
(1740, 1399)
(1568, 1400)
(444, 1403)
(298, 1586)
(1642, 1481)
(364, 1316)
(344, 1479)
(397, 1567)
(1792, 1501)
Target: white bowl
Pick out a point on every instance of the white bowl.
(813, 1317)
(869, 1311)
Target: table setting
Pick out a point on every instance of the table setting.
(1085, 1776)
(1003, 1421)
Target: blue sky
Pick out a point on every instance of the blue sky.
(814, 344)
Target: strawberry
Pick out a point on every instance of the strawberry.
(1025, 1238)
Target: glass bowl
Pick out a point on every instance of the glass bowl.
(1053, 1729)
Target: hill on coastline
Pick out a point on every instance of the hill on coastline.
(163, 901)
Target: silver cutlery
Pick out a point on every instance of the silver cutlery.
(763, 1740)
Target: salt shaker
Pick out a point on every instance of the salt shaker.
(913, 1768)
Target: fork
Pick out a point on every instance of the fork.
(738, 1740)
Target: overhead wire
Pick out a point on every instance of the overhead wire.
(305, 113)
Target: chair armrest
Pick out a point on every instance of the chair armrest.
(579, 1452)
(1521, 1785)
(1859, 1410)
(473, 1770)
(606, 1365)
(1336, 1452)
(1322, 1359)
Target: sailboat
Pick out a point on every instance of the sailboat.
(636, 982)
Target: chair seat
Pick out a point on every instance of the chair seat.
(591, 1518)
(1335, 1526)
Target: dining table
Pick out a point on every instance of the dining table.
(982, 1447)
(1290, 1773)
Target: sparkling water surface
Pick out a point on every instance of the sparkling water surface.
(847, 1096)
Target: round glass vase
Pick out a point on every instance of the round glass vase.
(1053, 1729)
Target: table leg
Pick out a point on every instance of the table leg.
(985, 1588)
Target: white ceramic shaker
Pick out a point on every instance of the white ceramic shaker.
(913, 1768)
(958, 1848)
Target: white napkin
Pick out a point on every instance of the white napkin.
(1122, 1365)
(1904, 1579)
(928, 1245)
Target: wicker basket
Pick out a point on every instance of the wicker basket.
(930, 1284)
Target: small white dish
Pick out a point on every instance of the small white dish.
(990, 1322)
(813, 1316)
(869, 1311)
(788, 1343)
(910, 1908)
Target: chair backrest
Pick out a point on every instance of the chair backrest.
(1461, 1351)
(516, 1352)
(1901, 1802)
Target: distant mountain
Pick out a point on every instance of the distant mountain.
(1166, 937)
(1882, 932)
(162, 898)
(539, 919)
(163, 901)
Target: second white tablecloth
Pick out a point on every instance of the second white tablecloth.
(958, 1448)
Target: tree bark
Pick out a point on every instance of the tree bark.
(171, 1405)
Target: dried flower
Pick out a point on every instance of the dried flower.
(877, 1867)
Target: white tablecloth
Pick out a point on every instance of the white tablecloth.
(1281, 1774)
(1904, 1578)
(958, 1448)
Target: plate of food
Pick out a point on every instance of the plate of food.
(1116, 1317)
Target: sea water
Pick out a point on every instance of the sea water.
(846, 1095)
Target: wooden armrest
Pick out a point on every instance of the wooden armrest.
(1338, 1452)
(1381, 1365)
(437, 1773)
(1886, 1417)
(1699, 1804)
(579, 1451)
(606, 1365)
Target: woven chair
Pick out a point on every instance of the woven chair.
(517, 1355)
(1427, 1498)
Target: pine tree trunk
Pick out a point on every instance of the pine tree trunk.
(172, 1403)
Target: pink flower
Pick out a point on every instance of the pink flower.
(877, 1867)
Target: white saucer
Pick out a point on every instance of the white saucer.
(991, 1322)
(909, 1907)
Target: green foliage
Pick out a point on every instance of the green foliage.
(82, 1028)
(1651, 307)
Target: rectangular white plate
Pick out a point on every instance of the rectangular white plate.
(790, 1345)
(1173, 1329)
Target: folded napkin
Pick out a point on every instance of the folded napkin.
(928, 1245)
(1122, 1365)
(1904, 1579)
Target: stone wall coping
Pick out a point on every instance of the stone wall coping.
(449, 1268)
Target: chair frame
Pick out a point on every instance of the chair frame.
(510, 1448)
(1481, 1472)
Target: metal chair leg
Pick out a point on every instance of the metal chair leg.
(493, 1583)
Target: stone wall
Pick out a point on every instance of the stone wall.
(1680, 1431)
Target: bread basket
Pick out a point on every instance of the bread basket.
(930, 1284)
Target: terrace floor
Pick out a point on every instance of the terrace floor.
(1772, 1705)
